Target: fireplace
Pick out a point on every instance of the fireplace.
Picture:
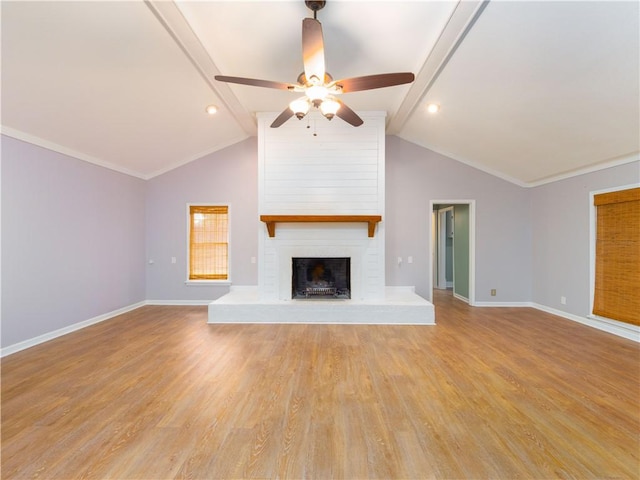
(314, 193)
(321, 278)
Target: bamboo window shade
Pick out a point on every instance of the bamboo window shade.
(208, 242)
(617, 264)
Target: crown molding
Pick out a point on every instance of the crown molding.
(469, 163)
(55, 147)
(195, 157)
(614, 162)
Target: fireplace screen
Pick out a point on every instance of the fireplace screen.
(320, 278)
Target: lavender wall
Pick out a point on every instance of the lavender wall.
(77, 238)
(561, 236)
(72, 241)
(414, 177)
(228, 176)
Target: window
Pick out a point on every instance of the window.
(617, 256)
(208, 242)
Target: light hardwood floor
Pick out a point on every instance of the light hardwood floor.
(157, 393)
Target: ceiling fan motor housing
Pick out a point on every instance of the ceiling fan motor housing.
(315, 5)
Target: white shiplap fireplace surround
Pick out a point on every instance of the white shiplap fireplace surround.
(316, 167)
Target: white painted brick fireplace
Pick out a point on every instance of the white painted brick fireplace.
(330, 168)
(316, 167)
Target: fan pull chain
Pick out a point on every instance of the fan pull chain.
(314, 126)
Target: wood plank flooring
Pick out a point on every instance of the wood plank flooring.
(157, 393)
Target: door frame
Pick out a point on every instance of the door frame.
(472, 245)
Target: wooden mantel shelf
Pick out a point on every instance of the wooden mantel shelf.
(271, 220)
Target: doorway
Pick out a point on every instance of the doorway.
(453, 248)
(443, 266)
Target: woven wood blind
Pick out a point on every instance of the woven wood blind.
(617, 282)
(208, 242)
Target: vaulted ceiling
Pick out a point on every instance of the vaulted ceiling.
(529, 91)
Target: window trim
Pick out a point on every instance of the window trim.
(206, 282)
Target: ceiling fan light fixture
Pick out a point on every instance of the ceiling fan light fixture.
(316, 93)
(299, 107)
(329, 108)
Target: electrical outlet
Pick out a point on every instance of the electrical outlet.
(173, 259)
(409, 259)
(563, 300)
(493, 292)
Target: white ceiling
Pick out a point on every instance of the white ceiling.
(530, 91)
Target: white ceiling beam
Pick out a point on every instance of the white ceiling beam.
(169, 15)
(462, 19)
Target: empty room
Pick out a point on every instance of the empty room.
(320, 239)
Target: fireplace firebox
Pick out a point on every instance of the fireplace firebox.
(321, 278)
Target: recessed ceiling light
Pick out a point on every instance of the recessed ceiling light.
(433, 108)
(211, 109)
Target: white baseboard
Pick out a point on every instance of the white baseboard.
(625, 330)
(16, 347)
(460, 297)
(503, 304)
(178, 302)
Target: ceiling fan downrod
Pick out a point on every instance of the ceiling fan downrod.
(315, 5)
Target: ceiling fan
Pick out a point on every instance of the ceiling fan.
(319, 88)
